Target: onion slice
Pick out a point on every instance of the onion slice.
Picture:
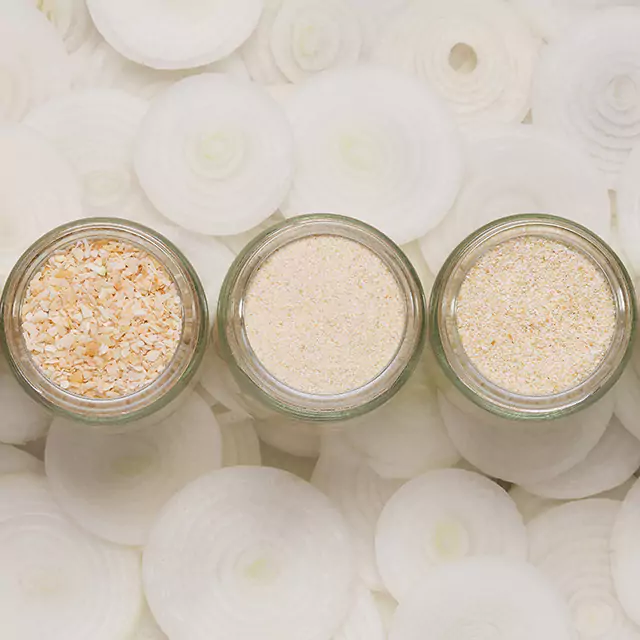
(248, 551)
(215, 154)
(364, 621)
(587, 88)
(377, 146)
(114, 485)
(441, 517)
(13, 460)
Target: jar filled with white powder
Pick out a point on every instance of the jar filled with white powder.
(322, 317)
(533, 317)
(104, 321)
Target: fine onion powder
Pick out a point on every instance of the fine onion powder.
(324, 315)
(535, 316)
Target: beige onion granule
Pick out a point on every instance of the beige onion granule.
(102, 318)
(535, 316)
(324, 314)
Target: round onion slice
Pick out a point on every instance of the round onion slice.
(56, 579)
(441, 517)
(215, 154)
(95, 130)
(298, 38)
(38, 191)
(479, 55)
(175, 35)
(628, 209)
(33, 60)
(587, 87)
(524, 453)
(248, 551)
(374, 145)
(483, 598)
(570, 545)
(520, 169)
(114, 485)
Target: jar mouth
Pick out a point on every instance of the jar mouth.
(237, 350)
(458, 366)
(149, 398)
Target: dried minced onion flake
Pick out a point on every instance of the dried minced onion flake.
(102, 318)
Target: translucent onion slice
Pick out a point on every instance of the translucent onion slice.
(520, 169)
(38, 190)
(296, 437)
(627, 399)
(248, 551)
(483, 598)
(570, 545)
(215, 154)
(628, 209)
(587, 88)
(611, 462)
(479, 55)
(240, 444)
(95, 130)
(278, 459)
(375, 145)
(13, 460)
(525, 454)
(34, 63)
(625, 553)
(406, 436)
(441, 517)
(23, 419)
(170, 35)
(114, 485)
(364, 621)
(297, 38)
(360, 493)
(56, 579)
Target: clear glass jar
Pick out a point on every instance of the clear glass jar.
(151, 400)
(447, 344)
(254, 380)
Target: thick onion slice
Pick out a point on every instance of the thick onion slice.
(520, 169)
(240, 444)
(441, 517)
(95, 130)
(57, 581)
(38, 191)
(175, 35)
(483, 598)
(248, 551)
(524, 454)
(360, 494)
(34, 63)
(570, 545)
(479, 55)
(587, 88)
(14, 460)
(625, 553)
(298, 38)
(376, 145)
(609, 464)
(114, 485)
(215, 154)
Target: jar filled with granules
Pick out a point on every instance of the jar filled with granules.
(321, 317)
(533, 317)
(104, 321)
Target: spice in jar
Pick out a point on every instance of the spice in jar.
(101, 318)
(324, 315)
(535, 316)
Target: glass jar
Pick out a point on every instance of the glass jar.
(448, 347)
(258, 383)
(149, 400)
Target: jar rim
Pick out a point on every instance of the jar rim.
(457, 365)
(144, 401)
(246, 366)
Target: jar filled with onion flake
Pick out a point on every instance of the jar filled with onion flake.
(104, 321)
(533, 317)
(321, 317)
